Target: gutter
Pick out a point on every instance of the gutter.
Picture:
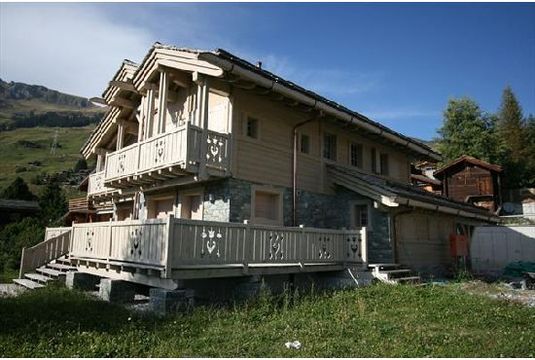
(275, 86)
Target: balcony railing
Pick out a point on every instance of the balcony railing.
(181, 248)
(96, 185)
(168, 154)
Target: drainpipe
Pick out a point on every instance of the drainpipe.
(294, 165)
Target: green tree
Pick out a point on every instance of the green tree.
(17, 190)
(53, 203)
(510, 126)
(81, 164)
(13, 237)
(466, 131)
(529, 126)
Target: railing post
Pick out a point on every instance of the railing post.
(22, 260)
(364, 245)
(168, 258)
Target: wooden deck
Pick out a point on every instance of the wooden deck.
(175, 249)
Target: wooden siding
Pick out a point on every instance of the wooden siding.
(268, 159)
(469, 181)
(422, 240)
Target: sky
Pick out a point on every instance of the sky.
(398, 64)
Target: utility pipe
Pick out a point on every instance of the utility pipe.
(294, 164)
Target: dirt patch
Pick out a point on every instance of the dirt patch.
(509, 291)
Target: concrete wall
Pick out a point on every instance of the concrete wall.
(493, 247)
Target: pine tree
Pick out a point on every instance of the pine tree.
(17, 190)
(53, 203)
(466, 131)
(510, 127)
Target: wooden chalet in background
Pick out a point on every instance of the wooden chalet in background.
(473, 181)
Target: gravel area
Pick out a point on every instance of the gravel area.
(7, 290)
(509, 291)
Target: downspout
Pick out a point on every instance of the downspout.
(294, 165)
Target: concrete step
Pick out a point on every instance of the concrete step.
(384, 266)
(27, 283)
(61, 267)
(398, 273)
(408, 279)
(38, 278)
(49, 272)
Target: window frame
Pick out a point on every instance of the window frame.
(360, 154)
(335, 150)
(368, 205)
(307, 137)
(382, 168)
(246, 127)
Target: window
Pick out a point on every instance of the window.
(355, 155)
(329, 147)
(305, 144)
(373, 155)
(267, 206)
(360, 213)
(252, 128)
(384, 164)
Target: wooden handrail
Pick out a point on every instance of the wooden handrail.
(44, 252)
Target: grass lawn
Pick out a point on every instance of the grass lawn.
(380, 320)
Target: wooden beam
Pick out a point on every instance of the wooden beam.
(123, 103)
(123, 85)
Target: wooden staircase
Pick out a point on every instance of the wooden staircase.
(394, 274)
(55, 270)
(46, 261)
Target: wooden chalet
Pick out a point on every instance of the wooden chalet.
(473, 181)
(214, 167)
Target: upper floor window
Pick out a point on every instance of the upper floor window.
(383, 163)
(305, 144)
(329, 146)
(373, 154)
(355, 155)
(252, 128)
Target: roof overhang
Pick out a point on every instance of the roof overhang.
(390, 198)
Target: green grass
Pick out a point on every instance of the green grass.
(15, 155)
(381, 320)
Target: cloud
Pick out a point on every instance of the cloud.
(75, 49)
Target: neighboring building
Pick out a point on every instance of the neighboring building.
(197, 143)
(473, 181)
(15, 210)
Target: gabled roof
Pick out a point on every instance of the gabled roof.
(392, 193)
(471, 160)
(220, 63)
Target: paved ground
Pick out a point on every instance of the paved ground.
(7, 290)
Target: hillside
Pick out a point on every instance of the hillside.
(32, 117)
(26, 106)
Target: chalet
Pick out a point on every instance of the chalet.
(473, 181)
(212, 167)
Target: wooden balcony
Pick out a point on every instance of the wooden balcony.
(96, 187)
(81, 205)
(186, 151)
(173, 249)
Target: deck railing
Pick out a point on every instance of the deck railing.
(52, 248)
(96, 185)
(176, 244)
(180, 148)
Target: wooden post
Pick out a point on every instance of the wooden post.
(149, 111)
(169, 247)
(162, 101)
(22, 261)
(120, 135)
(364, 245)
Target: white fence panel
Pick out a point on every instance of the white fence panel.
(494, 247)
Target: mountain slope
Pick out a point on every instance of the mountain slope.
(24, 106)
